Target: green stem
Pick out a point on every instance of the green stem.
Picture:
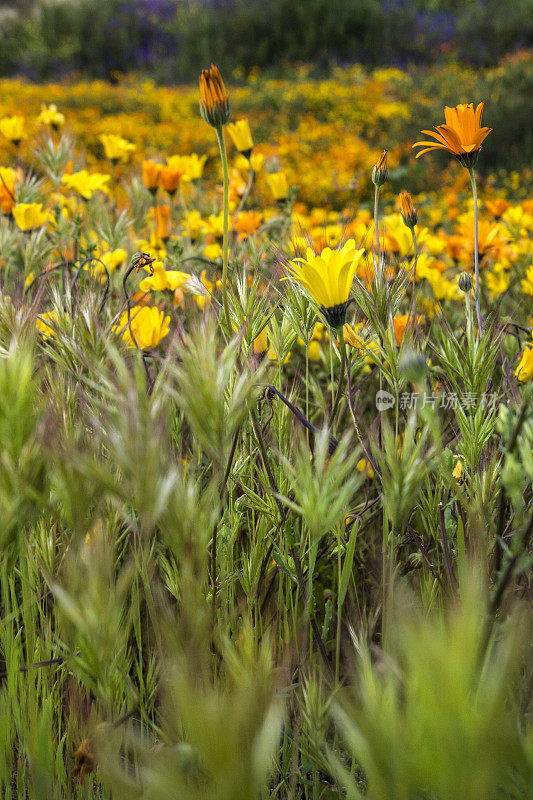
(413, 307)
(307, 379)
(476, 252)
(376, 215)
(385, 576)
(225, 239)
(339, 611)
(341, 376)
(468, 317)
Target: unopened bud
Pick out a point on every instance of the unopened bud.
(380, 170)
(465, 282)
(407, 209)
(214, 103)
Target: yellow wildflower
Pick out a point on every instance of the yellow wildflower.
(13, 129)
(164, 279)
(42, 323)
(241, 136)
(213, 251)
(524, 370)
(458, 470)
(314, 351)
(30, 216)
(193, 224)
(86, 184)
(192, 166)
(148, 325)
(527, 282)
(116, 148)
(260, 343)
(256, 161)
(365, 467)
(498, 281)
(112, 260)
(51, 116)
(328, 278)
(279, 186)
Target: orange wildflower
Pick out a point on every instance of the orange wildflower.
(151, 174)
(497, 207)
(7, 189)
(454, 247)
(462, 135)
(489, 239)
(248, 222)
(170, 179)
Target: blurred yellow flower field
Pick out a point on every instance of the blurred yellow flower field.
(93, 140)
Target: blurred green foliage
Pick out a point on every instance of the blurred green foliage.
(175, 38)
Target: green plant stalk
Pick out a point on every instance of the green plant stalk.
(386, 575)
(468, 316)
(476, 253)
(413, 300)
(376, 216)
(339, 610)
(307, 380)
(331, 369)
(225, 234)
(341, 376)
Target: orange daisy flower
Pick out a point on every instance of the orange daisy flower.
(462, 135)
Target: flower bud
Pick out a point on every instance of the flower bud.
(407, 209)
(380, 170)
(214, 103)
(465, 282)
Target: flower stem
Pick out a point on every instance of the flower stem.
(476, 252)
(413, 301)
(225, 239)
(341, 376)
(339, 611)
(376, 214)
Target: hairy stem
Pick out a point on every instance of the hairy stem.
(225, 235)
(341, 376)
(376, 215)
(476, 251)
